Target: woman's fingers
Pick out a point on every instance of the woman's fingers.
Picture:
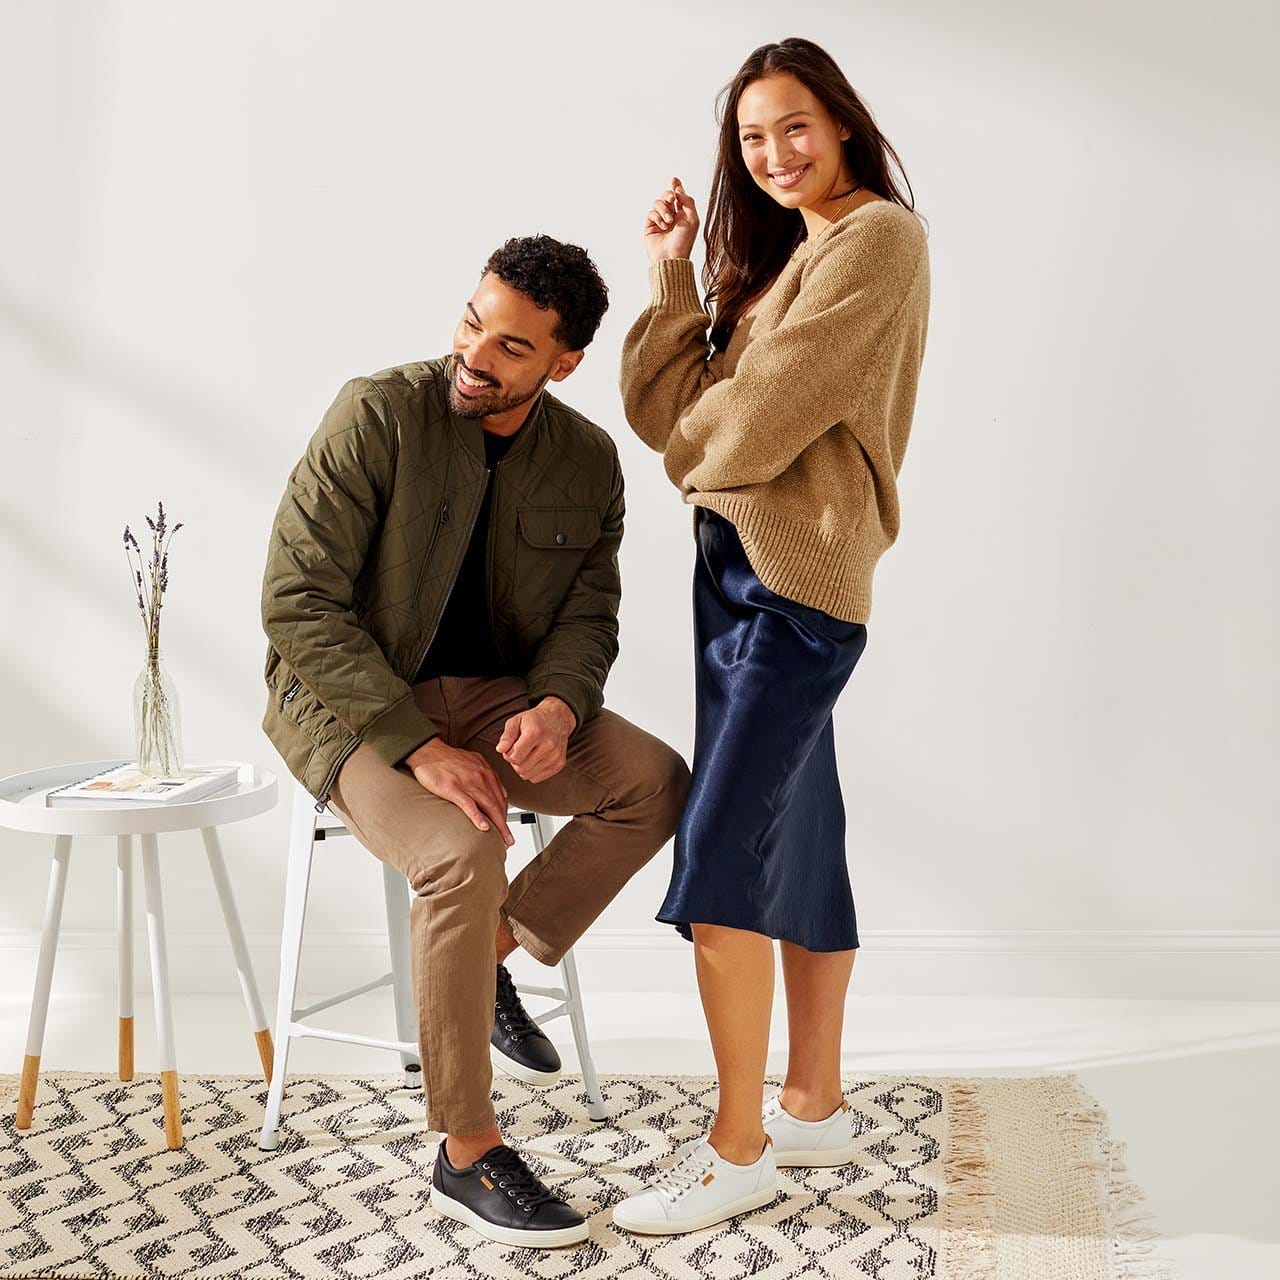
(671, 223)
(670, 207)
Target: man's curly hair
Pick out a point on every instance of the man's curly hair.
(555, 275)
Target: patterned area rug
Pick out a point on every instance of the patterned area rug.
(958, 1179)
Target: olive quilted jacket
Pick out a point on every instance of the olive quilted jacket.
(369, 538)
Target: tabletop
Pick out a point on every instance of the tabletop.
(22, 806)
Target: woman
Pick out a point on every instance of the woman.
(786, 437)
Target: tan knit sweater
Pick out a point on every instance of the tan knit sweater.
(796, 432)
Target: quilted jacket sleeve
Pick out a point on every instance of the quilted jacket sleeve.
(574, 660)
(322, 532)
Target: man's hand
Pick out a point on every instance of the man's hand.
(535, 742)
(464, 778)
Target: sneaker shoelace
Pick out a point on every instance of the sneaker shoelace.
(516, 1179)
(683, 1176)
(511, 1013)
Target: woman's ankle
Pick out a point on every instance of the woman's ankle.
(810, 1103)
(737, 1147)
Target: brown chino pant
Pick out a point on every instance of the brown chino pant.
(624, 790)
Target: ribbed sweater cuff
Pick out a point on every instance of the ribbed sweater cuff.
(673, 285)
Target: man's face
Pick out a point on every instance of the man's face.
(503, 352)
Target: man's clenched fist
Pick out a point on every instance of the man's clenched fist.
(535, 742)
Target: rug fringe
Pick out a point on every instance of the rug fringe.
(967, 1204)
(1129, 1216)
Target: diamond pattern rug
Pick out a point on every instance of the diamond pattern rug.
(954, 1179)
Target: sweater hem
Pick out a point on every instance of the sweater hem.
(799, 560)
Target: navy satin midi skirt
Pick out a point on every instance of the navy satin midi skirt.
(761, 843)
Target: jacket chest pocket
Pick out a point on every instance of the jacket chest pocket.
(550, 548)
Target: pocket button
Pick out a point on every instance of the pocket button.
(560, 539)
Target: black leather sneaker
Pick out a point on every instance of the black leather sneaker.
(517, 1047)
(502, 1199)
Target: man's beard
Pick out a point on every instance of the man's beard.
(486, 404)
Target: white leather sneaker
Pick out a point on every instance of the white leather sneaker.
(700, 1190)
(808, 1144)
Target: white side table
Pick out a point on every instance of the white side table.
(22, 808)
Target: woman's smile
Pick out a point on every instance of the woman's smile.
(786, 178)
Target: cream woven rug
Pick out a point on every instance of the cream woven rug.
(959, 1179)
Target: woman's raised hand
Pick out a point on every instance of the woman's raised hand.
(671, 225)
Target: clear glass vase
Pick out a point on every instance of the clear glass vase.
(157, 724)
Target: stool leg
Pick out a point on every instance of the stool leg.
(160, 981)
(396, 891)
(124, 953)
(244, 966)
(596, 1107)
(302, 834)
(44, 979)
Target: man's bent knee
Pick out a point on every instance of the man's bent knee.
(661, 783)
(675, 791)
(471, 867)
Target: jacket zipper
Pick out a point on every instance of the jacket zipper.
(475, 515)
(443, 518)
(323, 799)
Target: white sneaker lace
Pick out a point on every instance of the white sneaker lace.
(682, 1177)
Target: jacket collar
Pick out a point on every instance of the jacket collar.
(471, 433)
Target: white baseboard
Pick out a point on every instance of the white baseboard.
(1145, 964)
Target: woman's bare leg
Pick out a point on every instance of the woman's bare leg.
(816, 983)
(735, 980)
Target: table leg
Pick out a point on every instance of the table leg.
(160, 981)
(124, 946)
(44, 979)
(244, 966)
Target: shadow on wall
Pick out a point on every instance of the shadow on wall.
(108, 598)
(217, 430)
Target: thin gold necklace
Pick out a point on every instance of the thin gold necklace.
(834, 217)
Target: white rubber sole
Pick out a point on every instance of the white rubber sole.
(451, 1208)
(813, 1159)
(517, 1072)
(756, 1200)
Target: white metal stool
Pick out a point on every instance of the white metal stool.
(307, 826)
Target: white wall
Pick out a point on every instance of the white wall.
(1065, 720)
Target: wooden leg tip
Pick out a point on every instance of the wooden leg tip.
(172, 1109)
(126, 1048)
(27, 1091)
(266, 1053)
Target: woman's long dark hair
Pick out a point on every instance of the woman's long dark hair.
(749, 235)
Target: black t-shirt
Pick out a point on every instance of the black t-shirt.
(463, 644)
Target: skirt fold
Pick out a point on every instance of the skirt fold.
(761, 843)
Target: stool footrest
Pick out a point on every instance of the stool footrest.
(330, 1001)
(560, 1011)
(301, 1029)
(552, 993)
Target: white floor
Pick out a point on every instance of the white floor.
(1191, 1087)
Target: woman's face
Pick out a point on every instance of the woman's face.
(790, 144)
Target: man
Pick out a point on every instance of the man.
(441, 600)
